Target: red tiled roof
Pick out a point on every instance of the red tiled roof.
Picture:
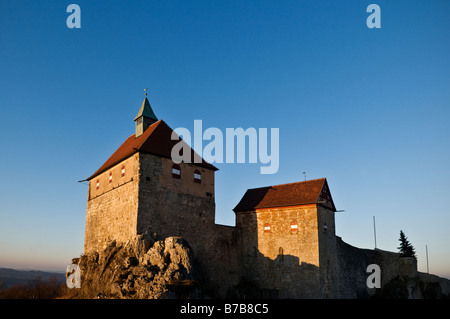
(155, 140)
(292, 194)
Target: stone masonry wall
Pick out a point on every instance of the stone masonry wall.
(164, 206)
(112, 206)
(181, 207)
(327, 253)
(277, 256)
(222, 262)
(399, 276)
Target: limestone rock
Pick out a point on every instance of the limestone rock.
(141, 268)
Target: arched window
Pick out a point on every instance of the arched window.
(123, 170)
(110, 177)
(98, 184)
(197, 176)
(281, 253)
(176, 171)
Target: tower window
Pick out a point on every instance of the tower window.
(267, 228)
(294, 227)
(98, 184)
(123, 170)
(110, 177)
(176, 171)
(197, 177)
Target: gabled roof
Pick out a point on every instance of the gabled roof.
(146, 110)
(156, 140)
(301, 193)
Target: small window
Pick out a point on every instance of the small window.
(325, 227)
(123, 171)
(197, 177)
(176, 171)
(267, 228)
(110, 177)
(294, 227)
(98, 183)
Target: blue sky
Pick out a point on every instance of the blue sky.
(366, 108)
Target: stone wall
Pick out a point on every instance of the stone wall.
(112, 205)
(180, 207)
(399, 275)
(269, 231)
(186, 184)
(432, 286)
(222, 263)
(280, 250)
(327, 252)
(166, 208)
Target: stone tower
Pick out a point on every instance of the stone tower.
(140, 189)
(288, 239)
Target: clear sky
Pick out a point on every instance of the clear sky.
(368, 109)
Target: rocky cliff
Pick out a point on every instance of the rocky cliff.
(140, 269)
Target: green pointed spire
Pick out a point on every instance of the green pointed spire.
(145, 117)
(146, 110)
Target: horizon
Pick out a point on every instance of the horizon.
(36, 270)
(367, 109)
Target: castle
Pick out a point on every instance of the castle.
(284, 241)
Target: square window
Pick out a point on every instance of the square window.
(294, 227)
(197, 177)
(176, 171)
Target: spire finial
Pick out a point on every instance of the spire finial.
(145, 90)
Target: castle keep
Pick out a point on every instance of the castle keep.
(284, 243)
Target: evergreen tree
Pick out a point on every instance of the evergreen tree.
(406, 249)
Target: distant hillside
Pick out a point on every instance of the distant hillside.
(11, 277)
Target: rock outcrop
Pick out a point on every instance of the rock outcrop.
(140, 269)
